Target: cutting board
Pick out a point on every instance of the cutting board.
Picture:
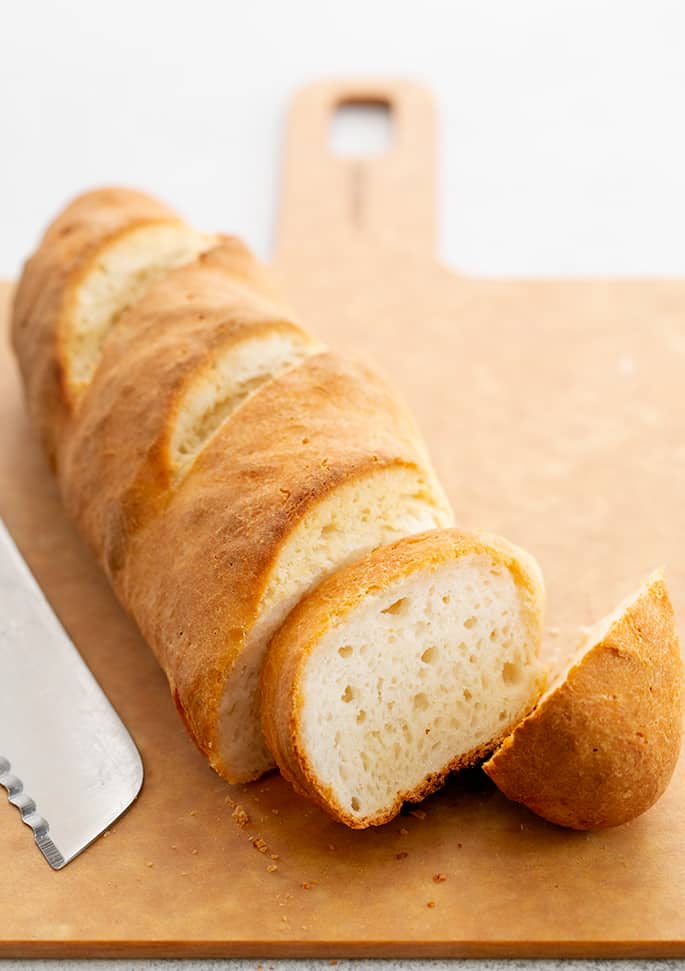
(554, 411)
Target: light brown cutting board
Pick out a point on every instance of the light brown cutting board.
(555, 414)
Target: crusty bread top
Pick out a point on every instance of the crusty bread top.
(117, 469)
(329, 603)
(602, 744)
(45, 291)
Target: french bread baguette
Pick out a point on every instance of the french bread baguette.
(219, 462)
(602, 743)
(405, 665)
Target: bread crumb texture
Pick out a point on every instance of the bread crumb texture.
(427, 670)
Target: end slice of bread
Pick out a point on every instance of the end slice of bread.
(601, 746)
(407, 664)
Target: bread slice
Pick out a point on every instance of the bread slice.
(601, 746)
(407, 664)
(320, 465)
(94, 260)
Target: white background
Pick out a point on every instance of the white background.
(562, 122)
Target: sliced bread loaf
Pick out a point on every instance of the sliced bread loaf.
(602, 743)
(218, 461)
(401, 667)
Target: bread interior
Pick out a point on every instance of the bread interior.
(118, 277)
(417, 678)
(227, 380)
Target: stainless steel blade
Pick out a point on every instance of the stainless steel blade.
(67, 761)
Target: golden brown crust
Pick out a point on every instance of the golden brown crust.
(116, 468)
(44, 295)
(193, 575)
(601, 747)
(324, 607)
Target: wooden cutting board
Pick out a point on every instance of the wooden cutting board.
(555, 414)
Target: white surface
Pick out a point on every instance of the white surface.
(563, 142)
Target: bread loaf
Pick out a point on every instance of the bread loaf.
(410, 663)
(218, 460)
(252, 494)
(602, 744)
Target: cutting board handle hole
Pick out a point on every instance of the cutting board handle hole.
(361, 128)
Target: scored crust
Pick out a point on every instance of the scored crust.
(117, 468)
(325, 608)
(602, 744)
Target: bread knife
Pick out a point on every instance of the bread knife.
(66, 760)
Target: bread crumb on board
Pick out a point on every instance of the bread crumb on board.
(418, 813)
(272, 867)
(439, 877)
(239, 814)
(260, 845)
(431, 904)
(240, 817)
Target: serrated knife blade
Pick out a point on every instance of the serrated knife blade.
(66, 759)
